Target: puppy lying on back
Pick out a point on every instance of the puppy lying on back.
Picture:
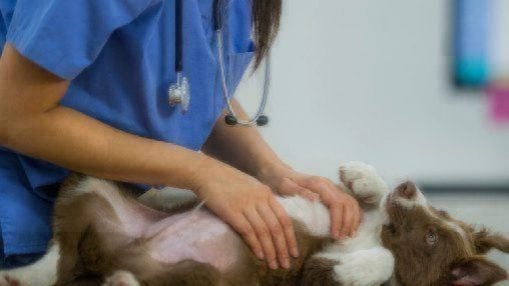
(103, 236)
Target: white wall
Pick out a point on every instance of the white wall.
(368, 80)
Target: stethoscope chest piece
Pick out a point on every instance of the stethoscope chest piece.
(180, 93)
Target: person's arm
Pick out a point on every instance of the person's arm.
(241, 146)
(244, 148)
(33, 123)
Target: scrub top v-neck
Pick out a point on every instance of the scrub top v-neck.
(120, 58)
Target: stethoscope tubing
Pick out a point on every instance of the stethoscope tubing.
(179, 93)
(226, 92)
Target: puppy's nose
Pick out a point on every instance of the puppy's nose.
(407, 190)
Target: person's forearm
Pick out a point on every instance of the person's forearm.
(33, 123)
(241, 147)
(75, 141)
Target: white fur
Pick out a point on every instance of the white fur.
(368, 236)
(41, 273)
(313, 215)
(419, 200)
(362, 261)
(368, 267)
(132, 222)
(364, 181)
(121, 278)
(90, 184)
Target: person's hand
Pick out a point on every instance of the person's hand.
(252, 210)
(345, 212)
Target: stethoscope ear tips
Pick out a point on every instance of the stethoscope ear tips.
(230, 120)
(262, 120)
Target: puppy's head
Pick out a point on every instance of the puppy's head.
(432, 248)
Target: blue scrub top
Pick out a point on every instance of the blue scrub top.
(120, 58)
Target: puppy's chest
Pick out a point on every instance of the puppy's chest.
(368, 235)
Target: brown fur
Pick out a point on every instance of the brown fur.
(91, 248)
(94, 247)
(319, 271)
(419, 263)
(484, 241)
(308, 245)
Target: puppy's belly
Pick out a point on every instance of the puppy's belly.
(196, 235)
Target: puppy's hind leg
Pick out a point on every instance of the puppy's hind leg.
(40, 273)
(84, 204)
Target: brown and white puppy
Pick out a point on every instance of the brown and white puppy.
(101, 235)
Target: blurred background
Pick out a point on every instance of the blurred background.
(416, 88)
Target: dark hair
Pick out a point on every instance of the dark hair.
(266, 20)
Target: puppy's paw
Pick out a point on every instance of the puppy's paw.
(363, 181)
(121, 278)
(6, 280)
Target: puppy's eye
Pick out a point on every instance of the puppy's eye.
(431, 238)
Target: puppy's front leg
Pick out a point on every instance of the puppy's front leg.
(370, 267)
(363, 182)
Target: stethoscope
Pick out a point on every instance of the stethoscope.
(179, 93)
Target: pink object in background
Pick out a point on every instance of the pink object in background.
(498, 97)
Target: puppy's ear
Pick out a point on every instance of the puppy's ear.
(476, 271)
(484, 241)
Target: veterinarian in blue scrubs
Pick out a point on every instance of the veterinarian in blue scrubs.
(83, 87)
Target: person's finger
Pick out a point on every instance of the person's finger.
(332, 201)
(315, 184)
(277, 233)
(290, 187)
(336, 217)
(347, 221)
(244, 228)
(329, 196)
(331, 185)
(355, 221)
(352, 220)
(287, 225)
(320, 187)
(264, 236)
(357, 218)
(361, 218)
